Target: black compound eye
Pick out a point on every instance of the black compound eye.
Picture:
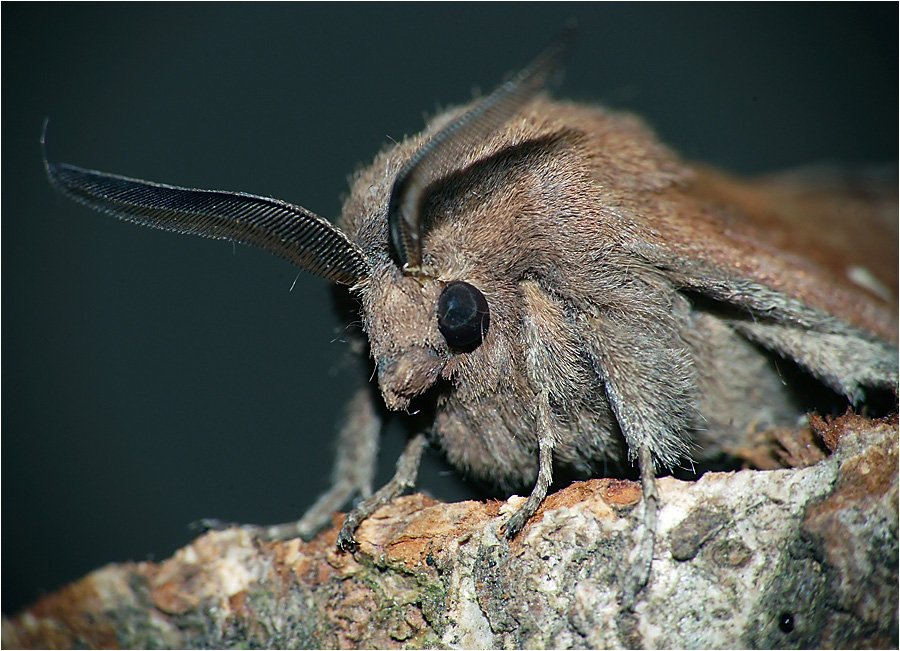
(462, 315)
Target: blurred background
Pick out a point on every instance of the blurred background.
(151, 379)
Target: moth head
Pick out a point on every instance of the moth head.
(423, 311)
(419, 328)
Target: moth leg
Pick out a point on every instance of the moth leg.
(403, 479)
(546, 442)
(353, 473)
(642, 555)
(651, 387)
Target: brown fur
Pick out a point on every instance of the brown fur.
(582, 231)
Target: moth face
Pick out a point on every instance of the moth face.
(416, 327)
(457, 316)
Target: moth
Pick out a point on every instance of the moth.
(549, 288)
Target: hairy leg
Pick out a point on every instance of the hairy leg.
(403, 479)
(546, 442)
(642, 555)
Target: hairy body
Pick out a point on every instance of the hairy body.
(603, 255)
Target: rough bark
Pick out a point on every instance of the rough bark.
(790, 558)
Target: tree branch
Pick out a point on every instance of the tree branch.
(803, 557)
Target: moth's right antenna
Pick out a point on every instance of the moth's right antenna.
(289, 231)
(428, 164)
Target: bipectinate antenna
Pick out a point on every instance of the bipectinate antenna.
(431, 161)
(286, 230)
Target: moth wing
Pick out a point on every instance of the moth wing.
(802, 262)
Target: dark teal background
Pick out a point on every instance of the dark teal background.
(149, 380)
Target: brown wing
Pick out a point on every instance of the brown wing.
(826, 237)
